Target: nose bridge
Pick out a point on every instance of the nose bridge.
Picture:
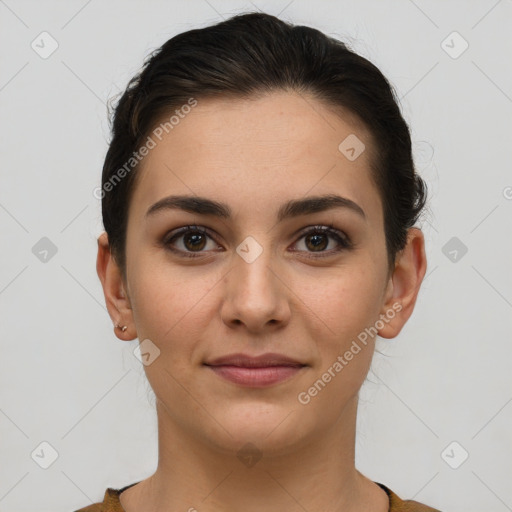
(253, 269)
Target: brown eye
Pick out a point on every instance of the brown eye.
(318, 239)
(194, 241)
(189, 240)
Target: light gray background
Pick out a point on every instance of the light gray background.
(67, 380)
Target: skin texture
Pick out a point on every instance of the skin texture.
(254, 155)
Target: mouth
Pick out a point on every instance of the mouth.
(257, 372)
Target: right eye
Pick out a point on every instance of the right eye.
(192, 240)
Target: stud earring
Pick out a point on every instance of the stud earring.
(123, 328)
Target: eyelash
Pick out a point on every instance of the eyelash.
(342, 240)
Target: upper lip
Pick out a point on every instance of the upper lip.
(247, 361)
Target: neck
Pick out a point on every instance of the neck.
(318, 475)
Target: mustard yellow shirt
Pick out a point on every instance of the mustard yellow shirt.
(111, 502)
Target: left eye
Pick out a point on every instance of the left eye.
(316, 240)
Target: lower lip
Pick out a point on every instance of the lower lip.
(256, 377)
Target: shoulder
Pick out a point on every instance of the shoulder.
(110, 502)
(95, 507)
(396, 504)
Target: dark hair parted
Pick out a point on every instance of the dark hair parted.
(249, 55)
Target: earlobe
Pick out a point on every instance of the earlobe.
(116, 298)
(404, 284)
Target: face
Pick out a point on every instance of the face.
(254, 276)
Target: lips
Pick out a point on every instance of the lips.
(261, 361)
(255, 371)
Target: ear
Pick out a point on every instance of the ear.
(115, 290)
(404, 284)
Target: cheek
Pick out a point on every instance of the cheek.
(346, 301)
(169, 310)
(347, 307)
(169, 304)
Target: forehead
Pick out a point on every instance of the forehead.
(239, 151)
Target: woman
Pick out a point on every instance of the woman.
(259, 200)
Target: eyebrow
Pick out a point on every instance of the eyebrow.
(290, 209)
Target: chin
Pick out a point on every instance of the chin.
(271, 428)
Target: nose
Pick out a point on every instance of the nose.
(256, 295)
